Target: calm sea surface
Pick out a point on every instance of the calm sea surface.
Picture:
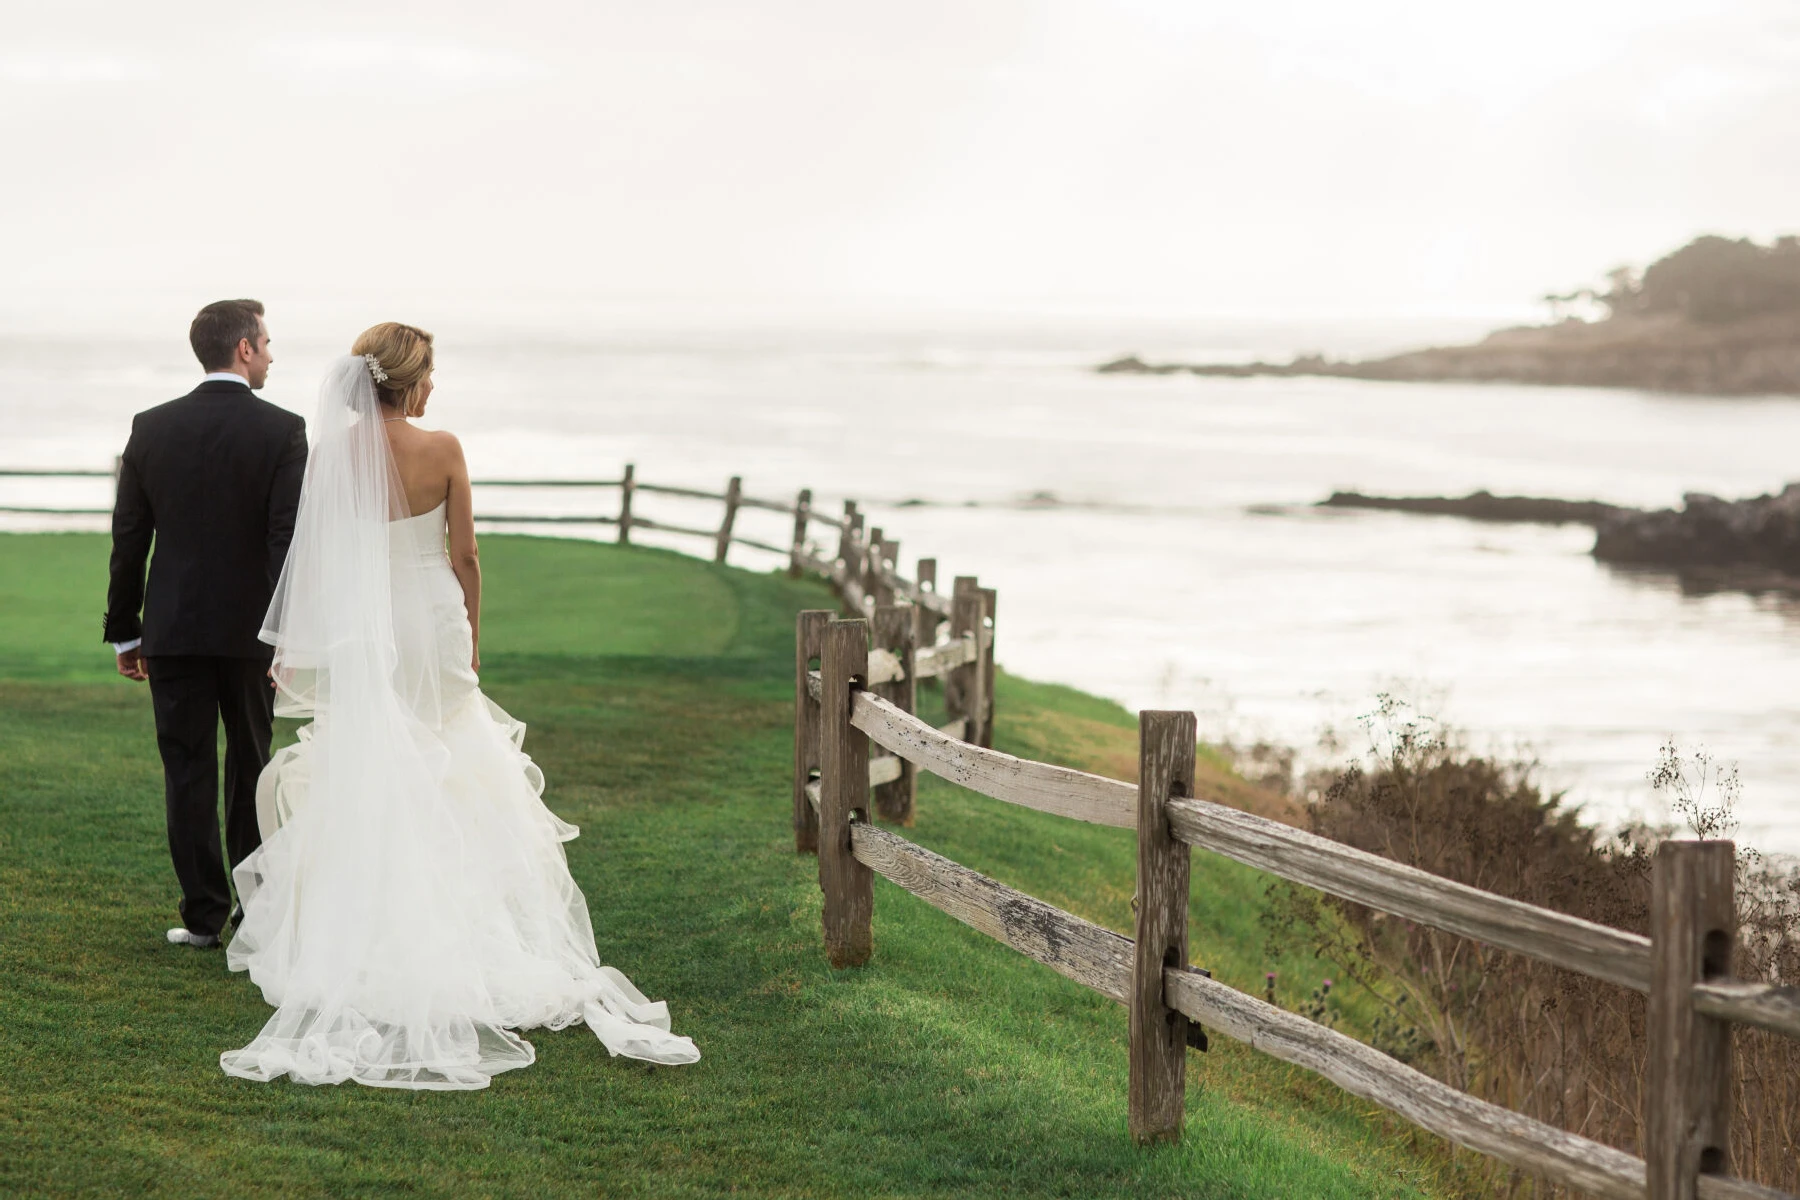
(1181, 564)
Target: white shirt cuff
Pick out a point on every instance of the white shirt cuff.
(122, 647)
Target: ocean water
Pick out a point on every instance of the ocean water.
(1153, 539)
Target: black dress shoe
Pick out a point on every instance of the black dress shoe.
(180, 936)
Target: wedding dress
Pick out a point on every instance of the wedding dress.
(410, 907)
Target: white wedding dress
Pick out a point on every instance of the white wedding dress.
(410, 906)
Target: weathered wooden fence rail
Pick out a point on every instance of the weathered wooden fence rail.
(950, 638)
(946, 638)
(841, 715)
(58, 510)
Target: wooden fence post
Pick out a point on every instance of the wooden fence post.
(893, 632)
(960, 683)
(809, 643)
(849, 886)
(847, 533)
(733, 491)
(626, 489)
(885, 562)
(1158, 1087)
(987, 629)
(926, 618)
(1693, 929)
(802, 518)
(854, 547)
(871, 562)
(975, 699)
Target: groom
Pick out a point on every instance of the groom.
(214, 479)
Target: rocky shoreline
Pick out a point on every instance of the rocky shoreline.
(1753, 544)
(1751, 356)
(1484, 506)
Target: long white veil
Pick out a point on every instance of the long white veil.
(332, 619)
(405, 909)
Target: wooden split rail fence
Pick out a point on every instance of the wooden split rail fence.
(948, 638)
(951, 637)
(844, 713)
(861, 693)
(926, 635)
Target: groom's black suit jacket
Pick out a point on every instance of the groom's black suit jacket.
(215, 478)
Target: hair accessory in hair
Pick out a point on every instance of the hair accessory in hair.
(375, 371)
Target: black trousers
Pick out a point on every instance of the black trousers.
(191, 695)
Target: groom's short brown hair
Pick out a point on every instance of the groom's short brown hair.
(219, 327)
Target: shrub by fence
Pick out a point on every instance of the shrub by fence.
(1683, 966)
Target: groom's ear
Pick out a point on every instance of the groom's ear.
(249, 347)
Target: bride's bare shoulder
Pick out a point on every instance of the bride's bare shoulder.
(444, 444)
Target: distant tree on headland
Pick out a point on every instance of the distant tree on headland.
(1716, 318)
(1710, 279)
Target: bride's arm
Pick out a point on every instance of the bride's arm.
(464, 559)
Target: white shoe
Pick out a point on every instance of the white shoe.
(180, 936)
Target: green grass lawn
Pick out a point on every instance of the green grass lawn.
(658, 694)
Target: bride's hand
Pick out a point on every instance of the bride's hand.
(475, 661)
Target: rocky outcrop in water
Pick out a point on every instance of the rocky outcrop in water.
(1757, 355)
(1710, 542)
(1484, 506)
(1306, 364)
(1708, 533)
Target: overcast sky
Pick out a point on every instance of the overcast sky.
(1144, 156)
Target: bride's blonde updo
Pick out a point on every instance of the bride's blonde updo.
(404, 352)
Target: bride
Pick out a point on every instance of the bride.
(410, 906)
